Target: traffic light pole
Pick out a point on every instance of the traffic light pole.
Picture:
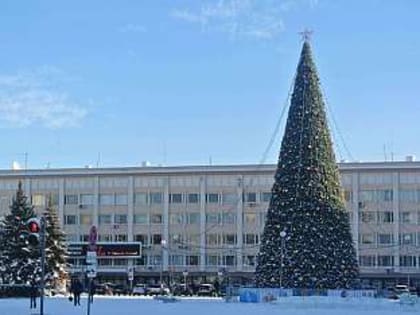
(42, 248)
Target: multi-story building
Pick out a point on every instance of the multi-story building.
(201, 220)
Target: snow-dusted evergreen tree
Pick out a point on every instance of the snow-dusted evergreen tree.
(307, 200)
(20, 262)
(56, 251)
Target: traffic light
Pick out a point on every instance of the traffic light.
(34, 228)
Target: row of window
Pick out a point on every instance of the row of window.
(174, 260)
(177, 241)
(388, 261)
(388, 239)
(155, 218)
(157, 198)
(406, 217)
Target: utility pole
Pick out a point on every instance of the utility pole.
(42, 248)
(282, 238)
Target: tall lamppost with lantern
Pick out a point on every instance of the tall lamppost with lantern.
(283, 235)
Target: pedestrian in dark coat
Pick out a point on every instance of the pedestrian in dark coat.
(76, 288)
(33, 293)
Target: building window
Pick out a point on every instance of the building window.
(156, 198)
(407, 239)
(408, 261)
(229, 239)
(229, 260)
(104, 219)
(248, 260)
(106, 199)
(176, 260)
(121, 199)
(105, 238)
(212, 239)
(176, 218)
(175, 198)
(250, 197)
(70, 220)
(212, 218)
(192, 260)
(376, 195)
(348, 195)
(409, 195)
(157, 239)
(142, 261)
(120, 219)
(212, 260)
(406, 217)
(386, 217)
(85, 219)
(385, 239)
(155, 260)
(250, 239)
(367, 217)
(250, 218)
(212, 198)
(84, 238)
(140, 199)
(385, 261)
(105, 262)
(367, 239)
(53, 198)
(120, 238)
(140, 218)
(120, 262)
(71, 238)
(38, 200)
(71, 199)
(265, 196)
(142, 238)
(367, 261)
(230, 198)
(156, 218)
(193, 198)
(86, 199)
(228, 218)
(193, 218)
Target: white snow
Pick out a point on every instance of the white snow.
(211, 306)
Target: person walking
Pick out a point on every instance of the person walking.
(33, 294)
(76, 288)
(92, 290)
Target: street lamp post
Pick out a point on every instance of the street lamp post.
(283, 241)
(163, 244)
(185, 274)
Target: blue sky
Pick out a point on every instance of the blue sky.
(176, 82)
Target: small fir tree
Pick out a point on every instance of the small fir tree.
(56, 251)
(307, 200)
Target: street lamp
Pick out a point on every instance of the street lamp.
(163, 244)
(185, 274)
(283, 241)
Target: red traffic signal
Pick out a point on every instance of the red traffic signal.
(33, 225)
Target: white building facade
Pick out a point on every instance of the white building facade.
(201, 220)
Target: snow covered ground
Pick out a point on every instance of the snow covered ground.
(211, 306)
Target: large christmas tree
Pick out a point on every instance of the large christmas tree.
(20, 262)
(316, 248)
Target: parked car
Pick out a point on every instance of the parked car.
(119, 289)
(206, 289)
(182, 289)
(139, 289)
(156, 289)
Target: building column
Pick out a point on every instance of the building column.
(396, 223)
(202, 223)
(239, 225)
(355, 210)
(61, 194)
(165, 232)
(130, 204)
(95, 201)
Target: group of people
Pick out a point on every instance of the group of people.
(76, 288)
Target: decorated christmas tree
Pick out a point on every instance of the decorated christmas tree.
(20, 262)
(307, 241)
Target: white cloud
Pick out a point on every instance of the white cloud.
(132, 28)
(32, 98)
(256, 19)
